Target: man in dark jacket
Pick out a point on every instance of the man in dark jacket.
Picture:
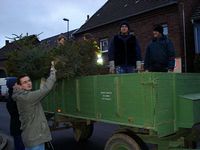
(15, 123)
(35, 130)
(124, 51)
(160, 53)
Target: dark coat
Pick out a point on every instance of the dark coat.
(124, 50)
(14, 115)
(160, 55)
(35, 129)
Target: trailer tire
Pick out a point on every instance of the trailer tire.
(83, 132)
(121, 141)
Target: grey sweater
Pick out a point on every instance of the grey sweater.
(34, 125)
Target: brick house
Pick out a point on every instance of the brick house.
(143, 15)
(53, 40)
(3, 51)
(10, 46)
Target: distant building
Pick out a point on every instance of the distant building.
(143, 15)
(10, 46)
(53, 40)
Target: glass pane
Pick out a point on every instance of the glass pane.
(197, 38)
(104, 45)
(165, 29)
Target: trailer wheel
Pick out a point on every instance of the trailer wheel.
(121, 141)
(83, 132)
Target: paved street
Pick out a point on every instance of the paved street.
(64, 139)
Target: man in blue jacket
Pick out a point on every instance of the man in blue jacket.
(160, 53)
(15, 123)
(124, 51)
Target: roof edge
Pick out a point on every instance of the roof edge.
(171, 3)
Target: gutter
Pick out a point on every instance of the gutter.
(184, 37)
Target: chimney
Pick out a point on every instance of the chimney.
(88, 17)
(7, 42)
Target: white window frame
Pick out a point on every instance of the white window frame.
(197, 38)
(101, 43)
(165, 29)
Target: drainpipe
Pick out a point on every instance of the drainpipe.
(184, 36)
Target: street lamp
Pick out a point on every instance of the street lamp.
(65, 19)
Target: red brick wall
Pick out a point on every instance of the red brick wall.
(143, 24)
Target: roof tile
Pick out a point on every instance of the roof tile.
(114, 10)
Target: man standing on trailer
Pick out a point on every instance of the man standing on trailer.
(160, 53)
(124, 51)
(35, 130)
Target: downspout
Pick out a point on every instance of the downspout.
(184, 37)
(195, 35)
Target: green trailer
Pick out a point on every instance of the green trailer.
(158, 108)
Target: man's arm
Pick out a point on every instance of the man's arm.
(111, 56)
(138, 51)
(171, 56)
(36, 96)
(111, 50)
(147, 59)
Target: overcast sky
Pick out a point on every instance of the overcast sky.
(37, 16)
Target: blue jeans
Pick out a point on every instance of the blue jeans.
(125, 69)
(38, 147)
(18, 143)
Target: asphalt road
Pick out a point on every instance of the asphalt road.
(63, 139)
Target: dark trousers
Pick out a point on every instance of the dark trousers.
(124, 69)
(18, 142)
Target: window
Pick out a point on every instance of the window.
(197, 38)
(104, 45)
(165, 29)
